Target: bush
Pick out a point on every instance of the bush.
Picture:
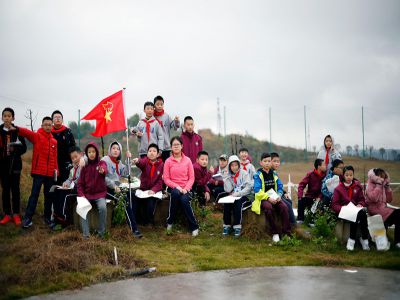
(325, 222)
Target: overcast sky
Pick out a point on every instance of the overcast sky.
(332, 56)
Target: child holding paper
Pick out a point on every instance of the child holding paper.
(331, 181)
(268, 197)
(61, 212)
(150, 180)
(92, 186)
(350, 190)
(237, 184)
(216, 183)
(378, 195)
(313, 182)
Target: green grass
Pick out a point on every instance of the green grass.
(39, 261)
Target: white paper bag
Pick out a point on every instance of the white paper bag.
(377, 231)
(83, 207)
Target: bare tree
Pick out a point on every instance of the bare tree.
(394, 154)
(31, 118)
(382, 151)
(314, 148)
(371, 148)
(356, 147)
(349, 149)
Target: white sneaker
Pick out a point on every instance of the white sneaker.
(397, 246)
(275, 238)
(350, 244)
(195, 232)
(364, 244)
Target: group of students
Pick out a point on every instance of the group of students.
(179, 165)
(332, 185)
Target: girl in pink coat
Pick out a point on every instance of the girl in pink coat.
(378, 194)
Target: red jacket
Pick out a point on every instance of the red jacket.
(146, 181)
(192, 144)
(201, 176)
(313, 181)
(342, 195)
(44, 160)
(92, 184)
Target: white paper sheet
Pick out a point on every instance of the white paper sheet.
(272, 194)
(83, 207)
(59, 187)
(392, 206)
(218, 177)
(145, 194)
(349, 212)
(228, 199)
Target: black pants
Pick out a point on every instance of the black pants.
(302, 204)
(10, 184)
(394, 218)
(38, 181)
(62, 206)
(362, 222)
(145, 209)
(236, 208)
(200, 194)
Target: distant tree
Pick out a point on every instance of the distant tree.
(356, 147)
(394, 154)
(349, 150)
(133, 120)
(398, 157)
(314, 148)
(382, 151)
(371, 148)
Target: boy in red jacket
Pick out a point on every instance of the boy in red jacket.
(44, 169)
(92, 186)
(201, 178)
(192, 142)
(313, 182)
(150, 180)
(350, 190)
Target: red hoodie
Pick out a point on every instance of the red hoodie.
(92, 184)
(44, 158)
(148, 182)
(313, 181)
(192, 144)
(201, 176)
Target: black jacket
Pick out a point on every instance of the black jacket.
(65, 140)
(11, 161)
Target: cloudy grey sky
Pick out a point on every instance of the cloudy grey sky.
(332, 56)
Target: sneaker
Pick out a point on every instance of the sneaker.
(364, 244)
(48, 222)
(5, 220)
(26, 223)
(237, 231)
(169, 229)
(226, 230)
(350, 244)
(195, 232)
(137, 234)
(299, 222)
(275, 238)
(17, 220)
(57, 227)
(397, 246)
(312, 225)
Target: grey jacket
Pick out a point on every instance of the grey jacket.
(156, 135)
(167, 123)
(112, 176)
(243, 184)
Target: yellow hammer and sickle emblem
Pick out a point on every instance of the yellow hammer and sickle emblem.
(108, 107)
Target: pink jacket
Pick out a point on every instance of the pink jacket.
(178, 173)
(378, 194)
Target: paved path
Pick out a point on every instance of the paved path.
(292, 283)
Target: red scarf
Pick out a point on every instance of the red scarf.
(350, 189)
(116, 162)
(62, 128)
(327, 156)
(235, 177)
(75, 170)
(158, 114)
(320, 174)
(244, 166)
(148, 122)
(153, 167)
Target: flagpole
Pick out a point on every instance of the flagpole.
(127, 148)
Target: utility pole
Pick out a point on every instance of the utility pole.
(219, 127)
(225, 137)
(270, 131)
(362, 123)
(79, 128)
(305, 134)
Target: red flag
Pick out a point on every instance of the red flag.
(109, 115)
